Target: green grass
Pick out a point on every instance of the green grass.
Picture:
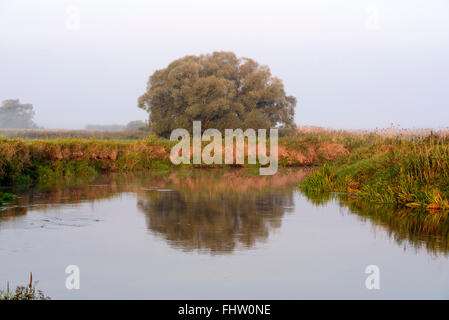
(5, 197)
(411, 173)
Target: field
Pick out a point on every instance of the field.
(48, 134)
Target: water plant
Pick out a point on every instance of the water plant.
(26, 292)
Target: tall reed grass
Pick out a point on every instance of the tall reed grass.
(412, 172)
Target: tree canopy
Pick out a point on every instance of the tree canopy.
(220, 90)
(14, 114)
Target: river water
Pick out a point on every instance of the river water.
(213, 234)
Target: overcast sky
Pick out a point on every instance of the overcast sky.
(351, 64)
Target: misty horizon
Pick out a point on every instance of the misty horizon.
(351, 65)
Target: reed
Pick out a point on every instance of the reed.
(26, 292)
(407, 172)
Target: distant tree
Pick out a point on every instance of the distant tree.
(105, 127)
(218, 89)
(137, 125)
(14, 114)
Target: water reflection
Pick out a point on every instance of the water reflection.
(409, 228)
(47, 199)
(213, 211)
(218, 212)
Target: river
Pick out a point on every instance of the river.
(212, 234)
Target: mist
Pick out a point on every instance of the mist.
(350, 64)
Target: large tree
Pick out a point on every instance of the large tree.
(14, 114)
(218, 89)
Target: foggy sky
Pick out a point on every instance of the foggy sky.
(351, 64)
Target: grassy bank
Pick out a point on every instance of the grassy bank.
(407, 172)
(23, 162)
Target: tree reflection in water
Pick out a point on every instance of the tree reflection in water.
(212, 210)
(218, 211)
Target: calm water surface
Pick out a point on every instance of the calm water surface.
(209, 234)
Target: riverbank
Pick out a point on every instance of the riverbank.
(407, 172)
(42, 161)
(405, 169)
(25, 162)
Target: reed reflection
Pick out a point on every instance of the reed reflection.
(410, 228)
